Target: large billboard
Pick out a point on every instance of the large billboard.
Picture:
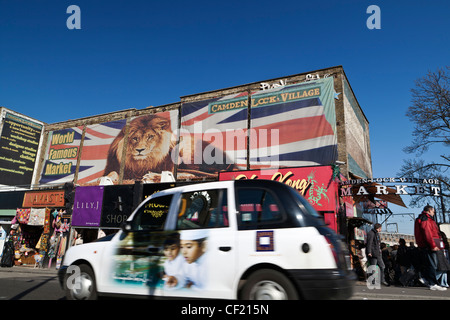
(293, 126)
(97, 151)
(213, 136)
(149, 141)
(62, 151)
(285, 126)
(19, 144)
(97, 142)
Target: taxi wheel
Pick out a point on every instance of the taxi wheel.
(267, 284)
(80, 285)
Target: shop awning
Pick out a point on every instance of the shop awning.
(357, 221)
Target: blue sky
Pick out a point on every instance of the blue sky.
(138, 53)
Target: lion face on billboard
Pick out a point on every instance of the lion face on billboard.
(148, 148)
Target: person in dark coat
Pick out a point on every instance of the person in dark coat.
(373, 251)
(403, 259)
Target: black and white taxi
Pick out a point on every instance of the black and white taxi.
(245, 239)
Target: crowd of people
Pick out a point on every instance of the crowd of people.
(426, 264)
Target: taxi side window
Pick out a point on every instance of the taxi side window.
(258, 208)
(203, 209)
(153, 214)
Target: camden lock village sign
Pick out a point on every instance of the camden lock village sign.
(400, 186)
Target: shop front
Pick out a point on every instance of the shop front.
(36, 226)
(99, 211)
(86, 215)
(319, 185)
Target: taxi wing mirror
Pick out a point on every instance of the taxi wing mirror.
(126, 226)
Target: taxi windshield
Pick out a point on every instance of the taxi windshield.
(308, 207)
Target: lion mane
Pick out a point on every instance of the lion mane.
(148, 148)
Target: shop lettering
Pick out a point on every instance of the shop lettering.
(66, 153)
(229, 105)
(57, 169)
(38, 199)
(286, 97)
(391, 180)
(301, 185)
(46, 198)
(116, 219)
(399, 190)
(58, 138)
(87, 205)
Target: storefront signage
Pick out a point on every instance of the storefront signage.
(285, 96)
(360, 187)
(117, 205)
(19, 142)
(87, 206)
(314, 183)
(43, 199)
(232, 104)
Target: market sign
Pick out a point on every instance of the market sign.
(315, 184)
(36, 199)
(87, 206)
(362, 187)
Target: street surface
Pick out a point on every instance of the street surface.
(362, 292)
(25, 283)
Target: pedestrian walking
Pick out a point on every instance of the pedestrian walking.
(403, 261)
(373, 251)
(429, 241)
(443, 262)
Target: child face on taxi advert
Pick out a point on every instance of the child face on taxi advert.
(171, 251)
(192, 250)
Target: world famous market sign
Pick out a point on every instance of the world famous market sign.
(385, 186)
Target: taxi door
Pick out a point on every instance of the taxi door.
(138, 256)
(204, 264)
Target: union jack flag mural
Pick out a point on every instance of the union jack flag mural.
(215, 131)
(303, 118)
(289, 126)
(97, 140)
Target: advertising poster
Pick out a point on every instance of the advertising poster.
(293, 126)
(19, 143)
(87, 207)
(213, 136)
(150, 142)
(97, 142)
(315, 184)
(61, 157)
